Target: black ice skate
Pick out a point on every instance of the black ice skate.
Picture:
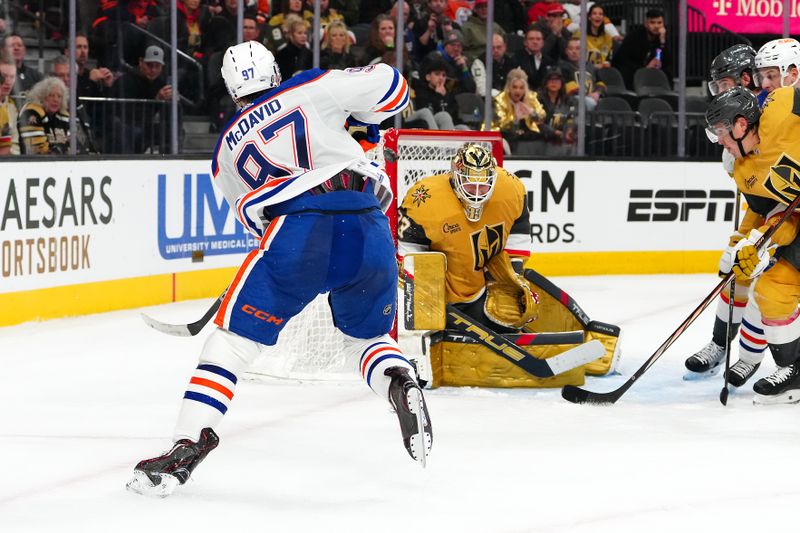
(409, 404)
(741, 371)
(705, 363)
(159, 476)
(782, 386)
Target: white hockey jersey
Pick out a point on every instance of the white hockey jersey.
(293, 138)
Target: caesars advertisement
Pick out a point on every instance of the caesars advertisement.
(64, 223)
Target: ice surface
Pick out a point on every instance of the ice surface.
(84, 399)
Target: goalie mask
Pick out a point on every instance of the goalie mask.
(474, 172)
(248, 68)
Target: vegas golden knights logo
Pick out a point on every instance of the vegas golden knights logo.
(486, 243)
(784, 179)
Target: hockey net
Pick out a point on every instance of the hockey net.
(310, 347)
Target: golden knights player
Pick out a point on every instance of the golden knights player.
(477, 216)
(733, 67)
(767, 172)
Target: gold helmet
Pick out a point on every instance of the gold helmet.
(474, 172)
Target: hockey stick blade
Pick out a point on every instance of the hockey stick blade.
(184, 330)
(576, 395)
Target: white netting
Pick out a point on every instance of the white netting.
(309, 346)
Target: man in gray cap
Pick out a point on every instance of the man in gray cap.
(147, 83)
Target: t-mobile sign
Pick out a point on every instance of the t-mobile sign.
(749, 16)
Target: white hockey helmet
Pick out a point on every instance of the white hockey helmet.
(248, 68)
(780, 53)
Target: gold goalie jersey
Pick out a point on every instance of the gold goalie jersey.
(432, 219)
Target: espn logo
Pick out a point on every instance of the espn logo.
(670, 205)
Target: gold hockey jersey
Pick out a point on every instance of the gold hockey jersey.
(432, 219)
(770, 175)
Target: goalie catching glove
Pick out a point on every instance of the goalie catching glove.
(748, 261)
(510, 301)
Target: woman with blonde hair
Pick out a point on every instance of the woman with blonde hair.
(335, 46)
(519, 115)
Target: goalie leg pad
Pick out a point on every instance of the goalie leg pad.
(424, 291)
(375, 356)
(457, 361)
(210, 391)
(608, 335)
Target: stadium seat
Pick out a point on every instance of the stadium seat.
(696, 104)
(613, 103)
(470, 108)
(648, 106)
(652, 82)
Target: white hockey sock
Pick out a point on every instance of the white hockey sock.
(752, 341)
(375, 355)
(224, 357)
(740, 301)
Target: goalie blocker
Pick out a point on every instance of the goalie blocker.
(456, 359)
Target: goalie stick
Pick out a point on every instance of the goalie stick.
(506, 348)
(577, 395)
(185, 330)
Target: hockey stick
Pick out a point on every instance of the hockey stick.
(577, 395)
(507, 349)
(723, 394)
(185, 330)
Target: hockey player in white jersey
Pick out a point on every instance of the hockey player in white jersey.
(299, 182)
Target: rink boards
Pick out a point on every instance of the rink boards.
(92, 236)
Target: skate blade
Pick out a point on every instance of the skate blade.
(419, 452)
(141, 484)
(699, 376)
(788, 397)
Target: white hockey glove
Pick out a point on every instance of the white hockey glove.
(727, 257)
(728, 160)
(749, 262)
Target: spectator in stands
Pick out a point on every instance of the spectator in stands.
(573, 9)
(294, 56)
(531, 59)
(59, 68)
(137, 133)
(278, 28)
(335, 47)
(558, 127)
(430, 92)
(501, 64)
(349, 9)
(518, 115)
(221, 31)
(556, 35)
(599, 42)
(570, 68)
(8, 75)
(194, 18)
(645, 46)
(381, 38)
(431, 28)
(44, 119)
(94, 82)
(251, 30)
(410, 20)
(474, 30)
(327, 14)
(538, 11)
(27, 77)
(459, 77)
